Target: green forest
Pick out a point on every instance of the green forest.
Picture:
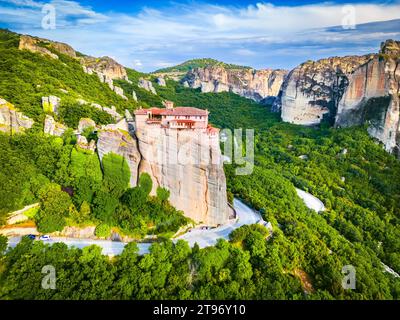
(350, 172)
(73, 189)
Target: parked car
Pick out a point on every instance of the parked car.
(31, 236)
(45, 237)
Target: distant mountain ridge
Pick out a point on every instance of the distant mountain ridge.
(199, 63)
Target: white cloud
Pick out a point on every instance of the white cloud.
(244, 52)
(175, 34)
(137, 63)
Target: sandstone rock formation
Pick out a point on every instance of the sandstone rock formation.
(348, 91)
(313, 90)
(112, 111)
(373, 97)
(52, 127)
(76, 232)
(50, 104)
(161, 81)
(12, 121)
(147, 85)
(42, 46)
(86, 123)
(105, 66)
(119, 91)
(249, 83)
(128, 116)
(111, 139)
(83, 143)
(188, 164)
(134, 96)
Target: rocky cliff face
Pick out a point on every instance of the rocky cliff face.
(183, 161)
(249, 83)
(12, 121)
(116, 139)
(105, 66)
(372, 97)
(42, 46)
(312, 91)
(146, 85)
(52, 127)
(188, 164)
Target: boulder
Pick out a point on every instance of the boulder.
(12, 121)
(50, 104)
(147, 85)
(52, 127)
(84, 144)
(86, 123)
(134, 96)
(161, 82)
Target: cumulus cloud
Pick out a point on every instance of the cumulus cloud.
(249, 35)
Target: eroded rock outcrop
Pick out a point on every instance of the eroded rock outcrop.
(114, 139)
(134, 96)
(43, 46)
(83, 143)
(52, 127)
(12, 121)
(312, 91)
(147, 85)
(373, 97)
(249, 83)
(112, 111)
(119, 91)
(105, 66)
(189, 165)
(50, 104)
(85, 123)
(161, 81)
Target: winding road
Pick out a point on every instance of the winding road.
(310, 201)
(204, 238)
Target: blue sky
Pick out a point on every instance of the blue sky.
(148, 35)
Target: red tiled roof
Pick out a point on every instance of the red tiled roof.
(178, 111)
(212, 130)
(141, 111)
(185, 111)
(183, 121)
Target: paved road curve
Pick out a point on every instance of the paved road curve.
(204, 238)
(310, 201)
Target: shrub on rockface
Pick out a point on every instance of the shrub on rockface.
(116, 173)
